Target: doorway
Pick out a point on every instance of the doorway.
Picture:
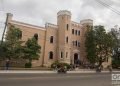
(76, 58)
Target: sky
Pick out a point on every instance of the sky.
(38, 12)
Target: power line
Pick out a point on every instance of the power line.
(108, 6)
(113, 9)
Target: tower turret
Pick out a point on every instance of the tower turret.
(64, 29)
(87, 22)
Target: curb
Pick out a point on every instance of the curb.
(50, 72)
(27, 71)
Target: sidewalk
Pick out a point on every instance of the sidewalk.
(49, 72)
(26, 71)
(34, 68)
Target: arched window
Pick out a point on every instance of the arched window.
(73, 43)
(72, 31)
(61, 54)
(51, 39)
(67, 39)
(78, 32)
(67, 26)
(76, 43)
(50, 55)
(36, 36)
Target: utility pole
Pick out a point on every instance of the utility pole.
(6, 22)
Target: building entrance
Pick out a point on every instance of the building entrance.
(76, 58)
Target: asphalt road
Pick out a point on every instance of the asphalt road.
(96, 79)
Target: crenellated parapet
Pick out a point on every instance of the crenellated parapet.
(64, 12)
(87, 22)
(51, 25)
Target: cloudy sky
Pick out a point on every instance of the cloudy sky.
(38, 12)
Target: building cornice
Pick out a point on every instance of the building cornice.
(27, 25)
(51, 25)
(76, 23)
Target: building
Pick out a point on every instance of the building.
(64, 42)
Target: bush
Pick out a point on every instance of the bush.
(28, 65)
(67, 65)
(54, 64)
(115, 63)
(59, 64)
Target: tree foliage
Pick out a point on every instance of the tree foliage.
(90, 46)
(104, 45)
(31, 50)
(116, 48)
(11, 47)
(14, 47)
(3, 50)
(99, 45)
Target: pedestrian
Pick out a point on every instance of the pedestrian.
(7, 64)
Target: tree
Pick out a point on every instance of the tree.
(99, 45)
(116, 49)
(31, 50)
(11, 47)
(90, 46)
(104, 45)
(3, 50)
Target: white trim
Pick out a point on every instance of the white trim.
(76, 51)
(90, 21)
(27, 25)
(76, 24)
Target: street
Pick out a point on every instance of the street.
(86, 79)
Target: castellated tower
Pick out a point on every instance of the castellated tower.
(87, 22)
(86, 25)
(64, 29)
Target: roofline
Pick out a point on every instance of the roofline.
(72, 22)
(51, 25)
(27, 25)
